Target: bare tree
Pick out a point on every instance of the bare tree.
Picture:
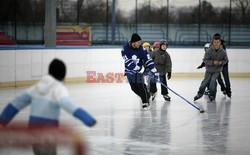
(93, 11)
(243, 5)
(63, 9)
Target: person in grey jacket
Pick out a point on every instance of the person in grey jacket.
(163, 65)
(214, 58)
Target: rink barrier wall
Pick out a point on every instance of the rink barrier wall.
(24, 66)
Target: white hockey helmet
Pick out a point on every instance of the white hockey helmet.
(206, 46)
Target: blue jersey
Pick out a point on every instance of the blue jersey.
(134, 59)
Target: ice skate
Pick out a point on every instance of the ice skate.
(212, 98)
(167, 98)
(206, 92)
(145, 106)
(153, 96)
(229, 94)
(198, 96)
(224, 92)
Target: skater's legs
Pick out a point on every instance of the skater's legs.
(226, 78)
(204, 83)
(153, 88)
(164, 90)
(213, 84)
(134, 88)
(45, 149)
(221, 83)
(132, 82)
(139, 87)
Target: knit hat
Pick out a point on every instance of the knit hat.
(135, 37)
(57, 69)
(156, 44)
(217, 36)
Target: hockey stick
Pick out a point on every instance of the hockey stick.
(196, 107)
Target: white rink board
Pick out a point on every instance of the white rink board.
(21, 65)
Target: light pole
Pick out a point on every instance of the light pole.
(136, 20)
(113, 22)
(199, 23)
(230, 22)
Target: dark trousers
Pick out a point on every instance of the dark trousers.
(138, 86)
(153, 88)
(221, 83)
(226, 78)
(45, 149)
(211, 79)
(227, 86)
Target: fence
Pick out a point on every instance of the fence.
(186, 34)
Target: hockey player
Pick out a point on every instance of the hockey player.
(225, 70)
(135, 57)
(214, 58)
(46, 98)
(163, 66)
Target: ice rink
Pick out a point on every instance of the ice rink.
(174, 127)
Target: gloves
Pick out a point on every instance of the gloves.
(156, 75)
(202, 65)
(153, 76)
(169, 75)
(153, 70)
(137, 68)
(199, 67)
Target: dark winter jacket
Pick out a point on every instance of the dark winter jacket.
(136, 58)
(162, 61)
(212, 55)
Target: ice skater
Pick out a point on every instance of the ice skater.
(147, 47)
(46, 98)
(214, 58)
(220, 81)
(225, 70)
(163, 66)
(135, 57)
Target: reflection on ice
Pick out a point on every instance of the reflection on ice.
(174, 127)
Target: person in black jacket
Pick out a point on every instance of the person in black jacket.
(225, 70)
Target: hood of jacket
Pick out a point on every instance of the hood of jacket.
(48, 88)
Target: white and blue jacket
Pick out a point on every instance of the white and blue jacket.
(46, 98)
(134, 59)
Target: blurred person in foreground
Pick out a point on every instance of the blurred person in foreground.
(46, 98)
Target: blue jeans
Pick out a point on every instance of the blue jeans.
(211, 79)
